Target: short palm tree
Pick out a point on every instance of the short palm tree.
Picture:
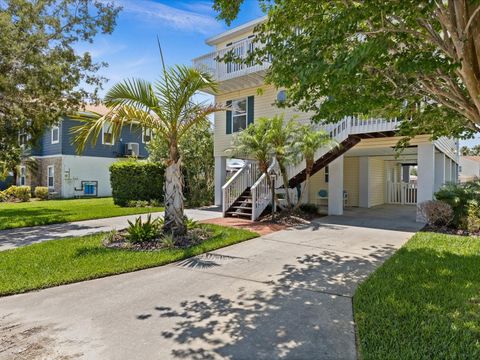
(309, 141)
(254, 143)
(281, 136)
(168, 110)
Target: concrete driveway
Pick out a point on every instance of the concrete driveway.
(287, 295)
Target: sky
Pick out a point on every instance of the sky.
(181, 26)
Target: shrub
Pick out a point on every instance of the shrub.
(22, 193)
(168, 241)
(436, 213)
(473, 217)
(190, 223)
(141, 231)
(459, 197)
(309, 208)
(41, 192)
(137, 203)
(3, 196)
(136, 181)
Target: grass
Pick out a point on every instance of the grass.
(424, 302)
(71, 260)
(34, 213)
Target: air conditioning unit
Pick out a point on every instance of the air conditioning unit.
(132, 149)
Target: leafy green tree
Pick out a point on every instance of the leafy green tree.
(412, 59)
(474, 151)
(307, 143)
(198, 164)
(41, 75)
(168, 110)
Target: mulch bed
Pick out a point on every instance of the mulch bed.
(119, 240)
(449, 231)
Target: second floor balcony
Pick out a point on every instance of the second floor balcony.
(233, 76)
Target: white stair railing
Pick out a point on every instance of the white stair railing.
(261, 192)
(238, 183)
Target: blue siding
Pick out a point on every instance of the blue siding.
(128, 134)
(45, 147)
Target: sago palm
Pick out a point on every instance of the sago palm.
(309, 141)
(281, 136)
(167, 109)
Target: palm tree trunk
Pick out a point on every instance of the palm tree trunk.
(283, 171)
(174, 217)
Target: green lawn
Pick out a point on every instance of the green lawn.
(71, 260)
(424, 302)
(14, 215)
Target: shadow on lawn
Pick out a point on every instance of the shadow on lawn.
(305, 313)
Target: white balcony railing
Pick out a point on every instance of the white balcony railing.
(222, 71)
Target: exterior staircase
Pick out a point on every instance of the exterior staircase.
(242, 207)
(247, 194)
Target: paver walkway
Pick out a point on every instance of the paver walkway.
(286, 295)
(14, 238)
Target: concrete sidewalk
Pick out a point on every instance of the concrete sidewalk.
(13, 238)
(286, 295)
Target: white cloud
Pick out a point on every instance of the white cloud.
(188, 20)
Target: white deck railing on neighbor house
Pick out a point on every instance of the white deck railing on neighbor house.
(250, 176)
(228, 70)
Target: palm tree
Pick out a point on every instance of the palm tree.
(282, 137)
(254, 143)
(309, 141)
(167, 109)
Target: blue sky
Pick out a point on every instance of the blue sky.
(182, 27)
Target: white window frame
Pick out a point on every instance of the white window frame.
(146, 132)
(58, 134)
(23, 175)
(246, 113)
(104, 128)
(52, 167)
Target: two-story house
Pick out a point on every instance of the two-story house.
(363, 172)
(68, 174)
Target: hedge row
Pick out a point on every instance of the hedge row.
(136, 180)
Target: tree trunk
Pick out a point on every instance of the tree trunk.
(174, 217)
(283, 171)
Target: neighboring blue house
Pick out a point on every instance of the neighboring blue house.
(70, 175)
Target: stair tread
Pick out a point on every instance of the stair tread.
(242, 207)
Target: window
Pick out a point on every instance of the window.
(51, 176)
(55, 135)
(146, 135)
(326, 174)
(107, 134)
(23, 176)
(239, 115)
(22, 138)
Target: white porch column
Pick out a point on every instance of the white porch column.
(220, 177)
(363, 178)
(426, 173)
(453, 178)
(439, 170)
(448, 169)
(335, 187)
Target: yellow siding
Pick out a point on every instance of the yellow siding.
(377, 181)
(350, 182)
(263, 106)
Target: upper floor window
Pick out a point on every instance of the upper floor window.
(327, 174)
(146, 136)
(239, 114)
(55, 135)
(107, 134)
